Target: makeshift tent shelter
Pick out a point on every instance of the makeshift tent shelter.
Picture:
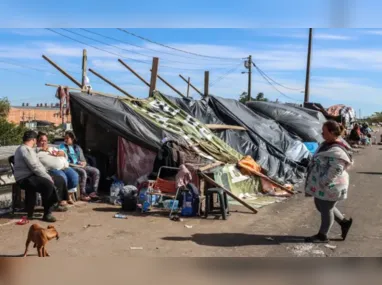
(265, 140)
(318, 115)
(298, 123)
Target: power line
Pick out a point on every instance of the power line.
(147, 48)
(176, 49)
(232, 70)
(274, 87)
(277, 83)
(119, 55)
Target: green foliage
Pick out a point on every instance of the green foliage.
(5, 107)
(10, 134)
(260, 97)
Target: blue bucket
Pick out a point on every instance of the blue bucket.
(311, 146)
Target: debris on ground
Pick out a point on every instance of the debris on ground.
(270, 238)
(331, 246)
(89, 225)
(135, 248)
(188, 226)
(318, 252)
(120, 216)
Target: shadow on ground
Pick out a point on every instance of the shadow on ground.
(237, 239)
(370, 173)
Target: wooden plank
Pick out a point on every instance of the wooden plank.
(206, 83)
(92, 91)
(192, 86)
(210, 166)
(225, 127)
(84, 67)
(172, 87)
(154, 73)
(133, 71)
(188, 88)
(62, 71)
(229, 193)
(111, 83)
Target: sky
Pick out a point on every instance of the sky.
(345, 69)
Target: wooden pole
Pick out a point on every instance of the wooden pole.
(111, 83)
(229, 193)
(169, 85)
(133, 71)
(62, 71)
(188, 87)
(250, 78)
(154, 73)
(206, 83)
(307, 79)
(92, 91)
(84, 67)
(192, 86)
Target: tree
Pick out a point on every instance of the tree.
(260, 97)
(5, 107)
(243, 97)
(10, 134)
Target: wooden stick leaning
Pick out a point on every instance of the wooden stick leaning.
(229, 193)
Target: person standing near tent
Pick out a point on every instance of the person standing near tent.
(77, 160)
(328, 181)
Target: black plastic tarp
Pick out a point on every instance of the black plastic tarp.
(296, 122)
(265, 140)
(115, 116)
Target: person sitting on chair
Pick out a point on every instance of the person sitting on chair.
(77, 160)
(56, 162)
(32, 176)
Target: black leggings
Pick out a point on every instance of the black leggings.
(41, 185)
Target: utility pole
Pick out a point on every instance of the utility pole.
(249, 77)
(307, 79)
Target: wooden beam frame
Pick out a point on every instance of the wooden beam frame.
(206, 83)
(229, 193)
(62, 71)
(188, 87)
(154, 73)
(92, 91)
(192, 86)
(134, 72)
(84, 67)
(111, 83)
(172, 87)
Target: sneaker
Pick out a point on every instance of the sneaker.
(345, 227)
(60, 208)
(318, 238)
(49, 218)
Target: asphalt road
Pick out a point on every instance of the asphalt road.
(277, 230)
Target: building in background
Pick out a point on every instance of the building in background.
(26, 114)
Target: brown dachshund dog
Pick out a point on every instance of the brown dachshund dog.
(40, 237)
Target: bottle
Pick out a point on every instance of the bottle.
(120, 216)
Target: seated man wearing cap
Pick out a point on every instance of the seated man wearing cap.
(33, 177)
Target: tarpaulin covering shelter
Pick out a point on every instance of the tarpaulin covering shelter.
(265, 140)
(314, 113)
(295, 121)
(342, 113)
(107, 124)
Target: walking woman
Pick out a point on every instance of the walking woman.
(77, 160)
(328, 181)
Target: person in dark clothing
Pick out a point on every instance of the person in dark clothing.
(32, 176)
(355, 134)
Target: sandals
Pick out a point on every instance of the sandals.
(23, 221)
(94, 195)
(85, 198)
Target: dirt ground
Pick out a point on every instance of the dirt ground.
(277, 230)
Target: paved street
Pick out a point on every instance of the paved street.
(277, 230)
